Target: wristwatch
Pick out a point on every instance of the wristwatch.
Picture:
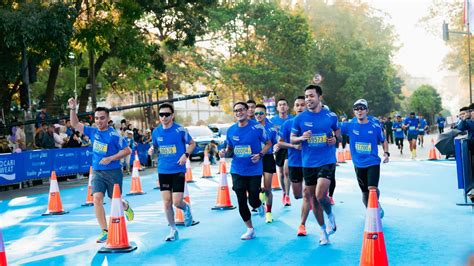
(388, 153)
(186, 154)
(261, 155)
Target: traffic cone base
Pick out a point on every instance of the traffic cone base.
(135, 193)
(131, 248)
(136, 188)
(223, 208)
(182, 223)
(54, 213)
(223, 195)
(88, 204)
(433, 155)
(55, 206)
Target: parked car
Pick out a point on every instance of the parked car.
(202, 135)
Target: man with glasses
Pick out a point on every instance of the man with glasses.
(281, 156)
(269, 166)
(313, 129)
(412, 124)
(365, 136)
(170, 140)
(295, 164)
(108, 148)
(244, 145)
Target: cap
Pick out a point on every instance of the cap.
(148, 130)
(129, 132)
(361, 102)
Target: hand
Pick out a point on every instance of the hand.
(255, 158)
(222, 153)
(297, 146)
(306, 135)
(105, 160)
(72, 103)
(331, 141)
(386, 158)
(182, 160)
(276, 147)
(151, 150)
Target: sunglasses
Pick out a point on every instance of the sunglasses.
(259, 113)
(240, 110)
(164, 114)
(360, 108)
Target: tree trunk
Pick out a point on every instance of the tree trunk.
(84, 97)
(169, 85)
(51, 86)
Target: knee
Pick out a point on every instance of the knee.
(98, 199)
(167, 204)
(177, 202)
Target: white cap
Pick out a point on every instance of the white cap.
(361, 102)
(129, 132)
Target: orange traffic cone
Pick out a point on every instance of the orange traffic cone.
(433, 154)
(340, 154)
(373, 245)
(222, 166)
(55, 207)
(3, 254)
(347, 153)
(189, 172)
(136, 188)
(179, 217)
(223, 195)
(117, 239)
(89, 198)
(275, 182)
(157, 184)
(137, 159)
(206, 167)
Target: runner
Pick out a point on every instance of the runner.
(314, 130)
(440, 120)
(421, 129)
(251, 104)
(365, 136)
(108, 148)
(295, 164)
(399, 135)
(281, 157)
(269, 166)
(170, 140)
(412, 125)
(244, 145)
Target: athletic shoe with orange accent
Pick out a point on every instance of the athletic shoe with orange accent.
(332, 200)
(287, 200)
(301, 230)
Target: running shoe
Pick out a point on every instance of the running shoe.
(263, 197)
(323, 239)
(287, 200)
(102, 237)
(188, 217)
(129, 214)
(332, 200)
(261, 211)
(268, 217)
(249, 234)
(301, 230)
(172, 236)
(331, 229)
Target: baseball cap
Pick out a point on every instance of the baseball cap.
(361, 102)
(129, 132)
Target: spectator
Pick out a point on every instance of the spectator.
(75, 140)
(388, 130)
(69, 129)
(131, 144)
(58, 140)
(20, 137)
(86, 142)
(39, 135)
(211, 149)
(42, 117)
(147, 136)
(47, 139)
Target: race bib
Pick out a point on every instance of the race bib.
(421, 130)
(241, 151)
(412, 128)
(167, 150)
(399, 130)
(99, 147)
(317, 140)
(363, 147)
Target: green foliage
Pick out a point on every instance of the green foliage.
(425, 100)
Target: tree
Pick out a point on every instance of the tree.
(425, 100)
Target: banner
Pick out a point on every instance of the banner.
(270, 104)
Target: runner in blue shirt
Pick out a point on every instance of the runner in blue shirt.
(441, 123)
(170, 140)
(295, 165)
(269, 166)
(244, 145)
(398, 133)
(108, 148)
(251, 104)
(411, 124)
(281, 156)
(423, 126)
(314, 130)
(365, 136)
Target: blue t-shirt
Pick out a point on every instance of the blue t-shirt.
(364, 139)
(272, 133)
(398, 130)
(372, 119)
(422, 122)
(171, 145)
(130, 143)
(104, 144)
(278, 121)
(245, 141)
(440, 120)
(294, 155)
(412, 124)
(315, 151)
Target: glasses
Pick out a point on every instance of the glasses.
(259, 113)
(164, 114)
(360, 108)
(240, 110)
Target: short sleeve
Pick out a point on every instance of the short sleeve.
(344, 128)
(295, 128)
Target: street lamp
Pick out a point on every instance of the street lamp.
(72, 57)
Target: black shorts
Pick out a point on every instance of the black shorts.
(281, 156)
(311, 175)
(412, 136)
(172, 182)
(248, 183)
(296, 174)
(421, 133)
(269, 165)
(368, 177)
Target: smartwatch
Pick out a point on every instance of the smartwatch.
(187, 154)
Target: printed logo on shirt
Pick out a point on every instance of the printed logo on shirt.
(363, 147)
(356, 132)
(308, 124)
(370, 132)
(159, 138)
(241, 151)
(99, 147)
(317, 140)
(167, 150)
(236, 138)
